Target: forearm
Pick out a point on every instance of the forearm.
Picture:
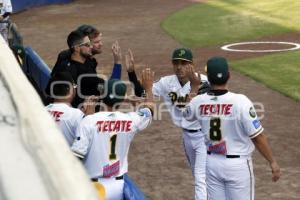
(149, 102)
(194, 91)
(261, 143)
(138, 88)
(116, 72)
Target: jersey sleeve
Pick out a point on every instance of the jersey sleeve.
(203, 78)
(77, 120)
(249, 119)
(7, 6)
(116, 72)
(190, 111)
(83, 141)
(141, 119)
(158, 88)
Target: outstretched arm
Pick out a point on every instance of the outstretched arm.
(117, 68)
(129, 60)
(264, 148)
(147, 82)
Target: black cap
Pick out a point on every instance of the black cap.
(116, 91)
(182, 54)
(217, 70)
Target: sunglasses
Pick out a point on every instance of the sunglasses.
(86, 44)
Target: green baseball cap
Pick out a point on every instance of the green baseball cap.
(116, 91)
(182, 54)
(217, 70)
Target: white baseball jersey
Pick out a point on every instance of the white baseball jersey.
(67, 118)
(175, 97)
(104, 140)
(229, 121)
(5, 6)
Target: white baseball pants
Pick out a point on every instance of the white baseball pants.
(113, 188)
(229, 178)
(195, 150)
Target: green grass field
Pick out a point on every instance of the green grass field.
(226, 21)
(280, 72)
(221, 22)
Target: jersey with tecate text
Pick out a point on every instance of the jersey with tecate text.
(67, 118)
(229, 121)
(175, 97)
(104, 140)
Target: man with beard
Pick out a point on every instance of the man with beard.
(80, 47)
(95, 37)
(86, 77)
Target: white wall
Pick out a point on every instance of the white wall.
(36, 162)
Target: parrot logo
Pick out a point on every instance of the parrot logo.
(182, 52)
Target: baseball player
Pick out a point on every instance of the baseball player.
(104, 138)
(63, 90)
(232, 129)
(175, 90)
(5, 11)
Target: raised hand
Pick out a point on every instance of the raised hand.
(89, 105)
(147, 79)
(117, 54)
(129, 61)
(194, 78)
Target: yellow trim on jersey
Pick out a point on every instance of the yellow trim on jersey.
(100, 190)
(257, 133)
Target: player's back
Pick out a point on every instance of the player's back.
(229, 121)
(108, 136)
(67, 118)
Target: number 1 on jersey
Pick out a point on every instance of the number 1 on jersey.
(112, 155)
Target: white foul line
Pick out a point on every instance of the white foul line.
(228, 47)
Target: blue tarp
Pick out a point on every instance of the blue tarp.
(19, 5)
(131, 190)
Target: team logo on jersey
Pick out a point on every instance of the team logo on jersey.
(180, 101)
(252, 112)
(111, 115)
(219, 148)
(187, 112)
(214, 99)
(144, 112)
(111, 170)
(256, 123)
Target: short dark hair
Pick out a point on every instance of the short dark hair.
(74, 38)
(116, 91)
(60, 83)
(89, 31)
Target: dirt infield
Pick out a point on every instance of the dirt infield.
(157, 161)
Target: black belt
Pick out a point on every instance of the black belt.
(117, 178)
(192, 131)
(227, 156)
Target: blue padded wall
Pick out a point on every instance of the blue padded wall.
(37, 69)
(19, 5)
